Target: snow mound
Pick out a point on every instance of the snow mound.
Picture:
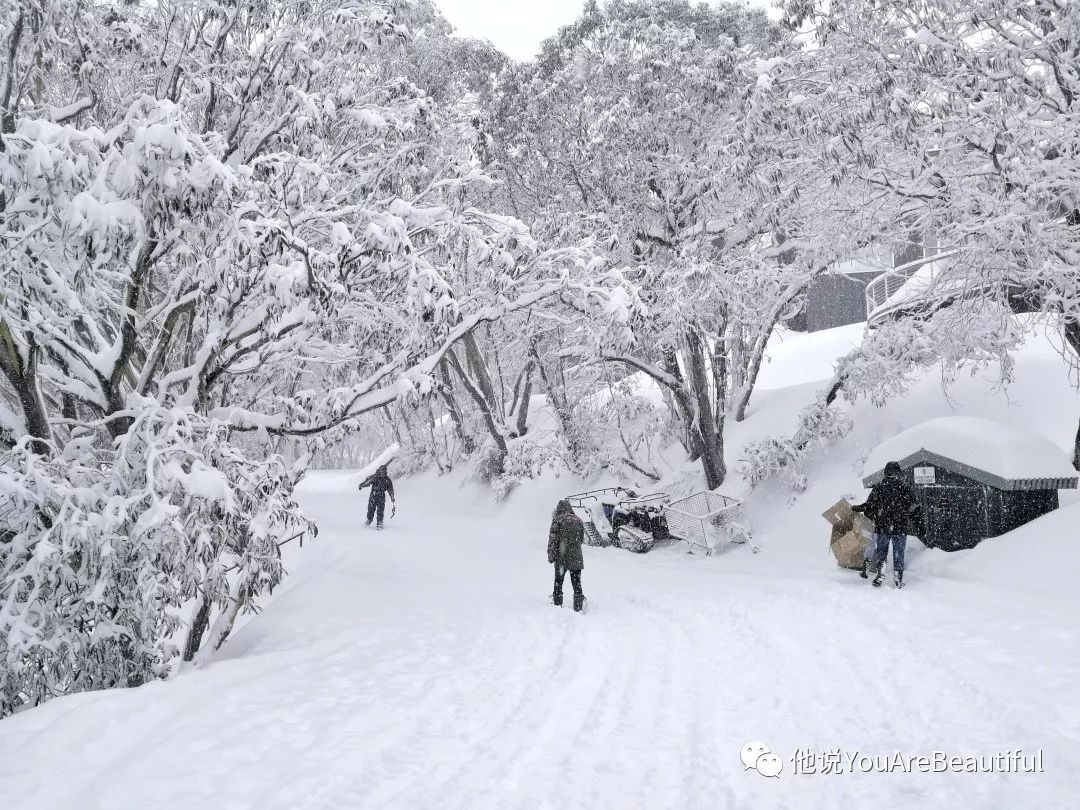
(1001, 450)
(793, 358)
(1028, 559)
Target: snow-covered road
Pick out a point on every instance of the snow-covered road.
(424, 668)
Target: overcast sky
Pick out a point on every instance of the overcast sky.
(517, 27)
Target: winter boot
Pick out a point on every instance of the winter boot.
(898, 579)
(556, 599)
(879, 579)
(579, 601)
(368, 522)
(865, 573)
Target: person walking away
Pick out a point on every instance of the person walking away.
(564, 551)
(381, 486)
(895, 511)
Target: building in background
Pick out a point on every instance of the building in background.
(840, 296)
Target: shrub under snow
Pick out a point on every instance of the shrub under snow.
(113, 558)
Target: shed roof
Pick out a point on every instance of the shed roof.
(980, 449)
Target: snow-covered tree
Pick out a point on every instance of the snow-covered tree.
(968, 117)
(653, 126)
(222, 226)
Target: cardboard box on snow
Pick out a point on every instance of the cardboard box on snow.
(851, 534)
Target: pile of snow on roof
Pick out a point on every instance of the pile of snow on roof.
(981, 443)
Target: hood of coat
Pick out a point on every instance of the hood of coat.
(563, 508)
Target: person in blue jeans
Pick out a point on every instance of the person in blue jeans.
(895, 511)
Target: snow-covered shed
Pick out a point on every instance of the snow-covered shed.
(975, 478)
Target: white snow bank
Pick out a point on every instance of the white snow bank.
(423, 666)
(793, 358)
(999, 449)
(1029, 558)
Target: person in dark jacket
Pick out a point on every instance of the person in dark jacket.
(564, 551)
(895, 511)
(381, 486)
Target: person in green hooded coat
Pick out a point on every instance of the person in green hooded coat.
(564, 552)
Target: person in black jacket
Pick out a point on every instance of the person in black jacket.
(564, 551)
(895, 511)
(381, 486)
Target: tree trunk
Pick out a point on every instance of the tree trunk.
(707, 424)
(748, 379)
(1076, 449)
(390, 420)
(197, 630)
(478, 367)
(692, 398)
(481, 402)
(239, 595)
(33, 405)
(718, 361)
(1072, 337)
(23, 379)
(555, 386)
(493, 345)
(129, 336)
(402, 418)
(447, 391)
(679, 407)
(431, 421)
(522, 394)
(522, 426)
(737, 352)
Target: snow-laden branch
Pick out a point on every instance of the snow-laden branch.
(371, 393)
(649, 369)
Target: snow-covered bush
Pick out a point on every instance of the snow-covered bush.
(115, 556)
(966, 338)
(733, 526)
(619, 430)
(527, 459)
(412, 461)
(523, 461)
(486, 463)
(819, 425)
(637, 429)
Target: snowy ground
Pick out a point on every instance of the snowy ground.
(423, 667)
